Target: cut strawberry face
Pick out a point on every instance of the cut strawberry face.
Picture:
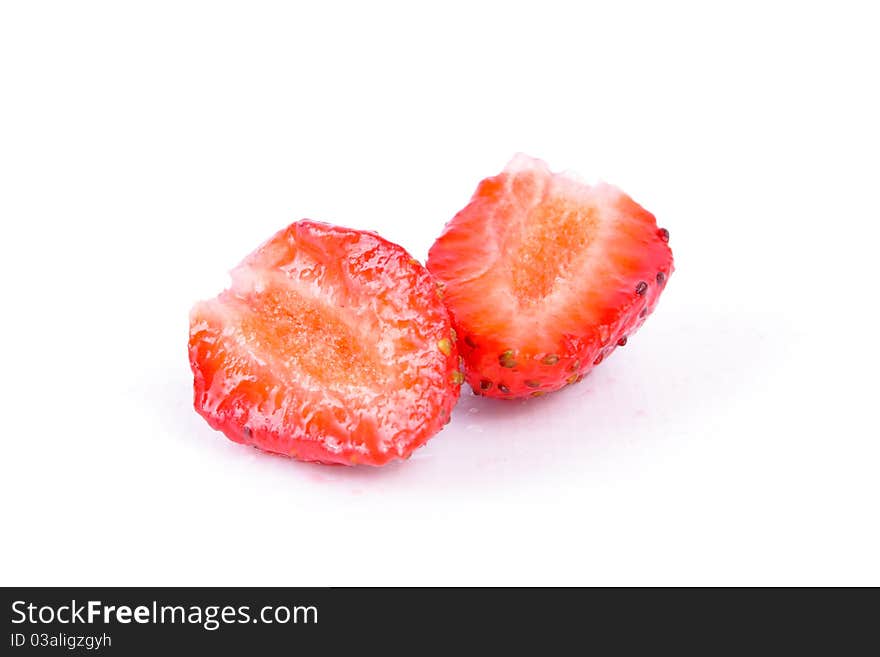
(331, 345)
(545, 276)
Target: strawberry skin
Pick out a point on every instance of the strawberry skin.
(331, 345)
(545, 276)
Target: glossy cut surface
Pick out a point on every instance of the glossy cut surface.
(331, 345)
(545, 276)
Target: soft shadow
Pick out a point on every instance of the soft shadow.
(664, 383)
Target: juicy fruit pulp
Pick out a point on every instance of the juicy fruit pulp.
(331, 345)
(545, 276)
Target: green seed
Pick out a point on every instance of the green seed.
(457, 378)
(533, 384)
(445, 346)
(538, 393)
(552, 359)
(506, 359)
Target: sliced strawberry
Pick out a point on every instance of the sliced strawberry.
(545, 276)
(331, 345)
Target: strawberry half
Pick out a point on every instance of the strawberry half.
(545, 276)
(331, 345)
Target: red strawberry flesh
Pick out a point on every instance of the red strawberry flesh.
(545, 276)
(331, 345)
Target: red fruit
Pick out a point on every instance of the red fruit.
(545, 276)
(331, 345)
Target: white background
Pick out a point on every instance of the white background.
(145, 148)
